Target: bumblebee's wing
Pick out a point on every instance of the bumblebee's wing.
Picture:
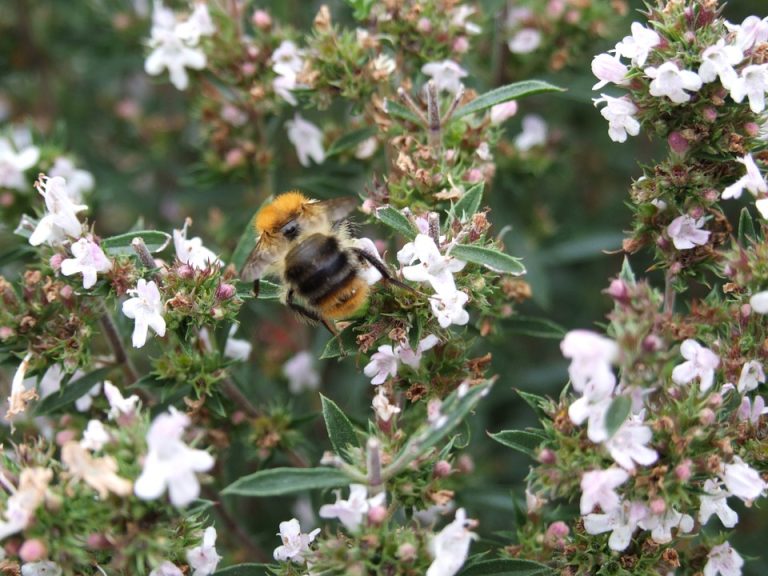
(336, 208)
(258, 261)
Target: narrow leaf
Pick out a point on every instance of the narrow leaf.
(627, 274)
(532, 326)
(535, 401)
(507, 567)
(244, 245)
(504, 94)
(120, 245)
(469, 204)
(350, 140)
(267, 290)
(340, 430)
(520, 440)
(490, 258)
(397, 221)
(394, 108)
(617, 413)
(71, 392)
(746, 227)
(280, 481)
(249, 569)
(337, 346)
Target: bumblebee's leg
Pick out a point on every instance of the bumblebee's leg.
(256, 287)
(307, 314)
(382, 268)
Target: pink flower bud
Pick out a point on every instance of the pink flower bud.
(715, 400)
(504, 111)
(253, 52)
(225, 291)
(185, 271)
(261, 19)
(474, 175)
(558, 529)
(32, 550)
(711, 195)
(707, 417)
(97, 542)
(248, 69)
(442, 469)
(7, 199)
(618, 290)
(658, 506)
(696, 212)
(234, 158)
(56, 261)
(752, 129)
(238, 417)
(746, 311)
(555, 8)
(683, 470)
(675, 269)
(424, 25)
(547, 456)
(64, 436)
(652, 343)
(461, 45)
(677, 143)
(377, 514)
(572, 17)
(66, 292)
(407, 552)
(709, 113)
(6, 332)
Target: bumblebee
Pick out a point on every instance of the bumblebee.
(308, 245)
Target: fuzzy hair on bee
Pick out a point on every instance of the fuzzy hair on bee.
(308, 245)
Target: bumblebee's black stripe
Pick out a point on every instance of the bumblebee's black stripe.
(317, 267)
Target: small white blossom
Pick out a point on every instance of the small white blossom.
(118, 405)
(43, 568)
(629, 445)
(608, 69)
(366, 148)
(450, 546)
(621, 522)
(723, 560)
(686, 232)
(751, 413)
(383, 408)
(95, 436)
(20, 396)
(534, 133)
(191, 251)
(20, 506)
(591, 357)
(295, 545)
(751, 31)
(718, 61)
(715, 501)
(639, 45)
(433, 267)
(89, 259)
(237, 348)
(368, 272)
(598, 488)
(78, 181)
(448, 308)
(60, 220)
(170, 463)
(352, 511)
(307, 139)
(700, 363)
(167, 569)
(752, 375)
(759, 302)
(284, 86)
(51, 383)
(145, 308)
(411, 357)
(287, 59)
(14, 163)
(300, 372)
(446, 75)
(503, 112)
(203, 559)
(620, 115)
(753, 180)
(753, 83)
(459, 17)
(525, 41)
(592, 409)
(670, 81)
(743, 481)
(661, 525)
(383, 365)
(201, 19)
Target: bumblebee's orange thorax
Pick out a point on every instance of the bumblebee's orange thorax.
(280, 211)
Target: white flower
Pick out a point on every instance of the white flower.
(167, 569)
(21, 505)
(686, 232)
(146, 309)
(60, 220)
(43, 568)
(670, 81)
(351, 512)
(750, 32)
(752, 375)
(20, 396)
(661, 525)
(743, 481)
(719, 60)
(237, 348)
(412, 358)
(78, 181)
(13, 164)
(94, 436)
(170, 463)
(295, 544)
(383, 365)
(598, 488)
(608, 69)
(118, 405)
(450, 546)
(502, 112)
(753, 180)
(448, 308)
(762, 206)
(759, 302)
(591, 357)
(300, 372)
(715, 501)
(753, 84)
(307, 139)
(366, 148)
(174, 47)
(620, 115)
(700, 363)
(51, 383)
(751, 413)
(287, 59)
(89, 259)
(525, 41)
(283, 86)
(203, 559)
(368, 272)
(534, 133)
(446, 75)
(622, 522)
(723, 560)
(382, 407)
(638, 46)
(459, 17)
(593, 409)
(201, 19)
(628, 445)
(433, 267)
(191, 251)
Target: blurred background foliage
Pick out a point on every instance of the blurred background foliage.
(72, 72)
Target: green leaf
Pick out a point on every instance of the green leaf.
(746, 227)
(337, 346)
(535, 401)
(340, 429)
(521, 440)
(394, 108)
(490, 258)
(627, 274)
(350, 140)
(507, 567)
(362, 8)
(71, 392)
(244, 246)
(16, 253)
(532, 326)
(504, 94)
(280, 481)
(249, 569)
(120, 245)
(267, 290)
(469, 204)
(397, 221)
(617, 413)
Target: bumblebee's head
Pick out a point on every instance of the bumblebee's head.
(279, 216)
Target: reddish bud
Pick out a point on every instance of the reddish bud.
(442, 469)
(558, 529)
(185, 271)
(707, 417)
(97, 542)
(473, 175)
(465, 464)
(32, 550)
(618, 290)
(6, 332)
(424, 25)
(225, 291)
(547, 456)
(66, 292)
(683, 470)
(377, 514)
(56, 261)
(461, 45)
(239, 417)
(261, 19)
(234, 158)
(752, 128)
(709, 113)
(248, 69)
(715, 400)
(652, 343)
(65, 436)
(658, 506)
(677, 143)
(407, 552)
